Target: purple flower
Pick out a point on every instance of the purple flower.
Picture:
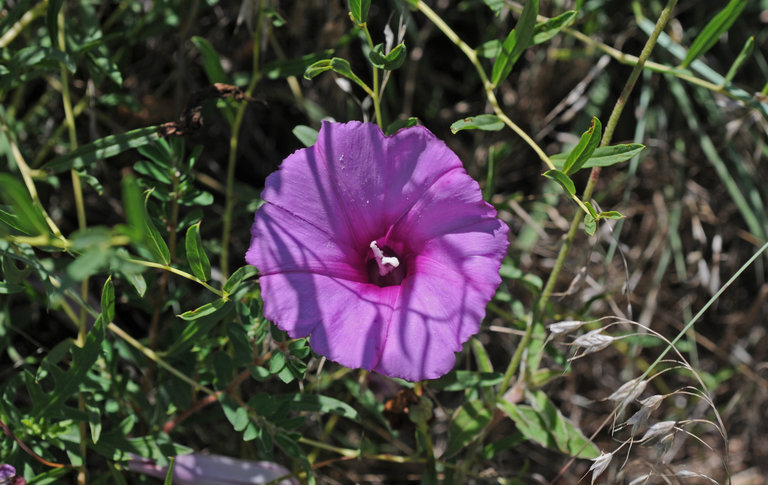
(8, 476)
(381, 249)
(200, 469)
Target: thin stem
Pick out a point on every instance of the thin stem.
(183, 274)
(472, 56)
(152, 355)
(229, 204)
(375, 95)
(20, 24)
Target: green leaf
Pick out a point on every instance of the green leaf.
(234, 281)
(359, 10)
(495, 5)
(108, 301)
(317, 68)
(547, 30)
(590, 224)
(584, 149)
(610, 215)
(198, 328)
(28, 217)
(88, 263)
(461, 380)
(196, 257)
(342, 66)
(543, 423)
(395, 126)
(479, 122)
(211, 60)
(591, 209)
(205, 310)
(745, 53)
(490, 49)
(716, 27)
(390, 61)
(67, 383)
(471, 417)
(306, 134)
(236, 414)
(133, 205)
(339, 66)
(293, 67)
(155, 242)
(317, 403)
(603, 156)
(103, 148)
(565, 182)
(516, 42)
(482, 359)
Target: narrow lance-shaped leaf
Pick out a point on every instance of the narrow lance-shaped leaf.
(359, 10)
(205, 310)
(745, 53)
(106, 147)
(584, 149)
(603, 156)
(565, 182)
(196, 257)
(471, 417)
(154, 240)
(306, 134)
(242, 273)
(716, 27)
(211, 60)
(479, 122)
(133, 205)
(550, 28)
(337, 65)
(108, 301)
(516, 42)
(28, 217)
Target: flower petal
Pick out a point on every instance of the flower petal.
(457, 195)
(346, 320)
(283, 242)
(440, 308)
(379, 178)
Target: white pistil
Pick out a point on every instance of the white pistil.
(386, 263)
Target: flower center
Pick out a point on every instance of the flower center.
(384, 267)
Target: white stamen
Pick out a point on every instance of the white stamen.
(386, 263)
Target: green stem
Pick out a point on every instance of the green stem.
(20, 24)
(229, 205)
(152, 355)
(488, 86)
(181, 273)
(77, 191)
(376, 93)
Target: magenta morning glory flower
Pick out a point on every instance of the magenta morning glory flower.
(380, 249)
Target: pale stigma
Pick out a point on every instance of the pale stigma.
(386, 263)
